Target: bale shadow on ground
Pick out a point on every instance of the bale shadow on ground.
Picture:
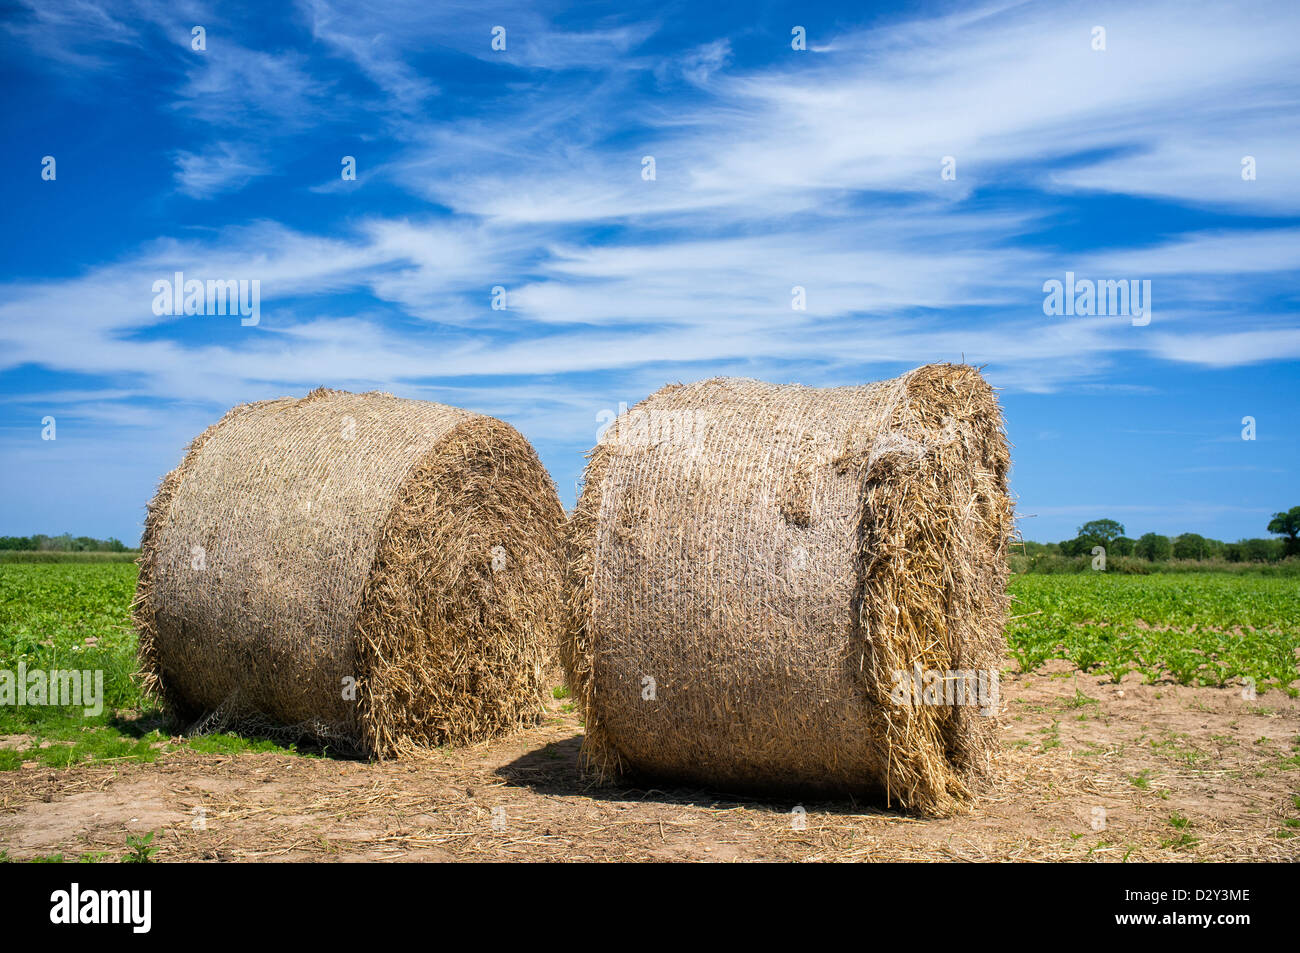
(136, 725)
(190, 729)
(553, 769)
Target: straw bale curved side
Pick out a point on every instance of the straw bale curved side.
(752, 566)
(368, 571)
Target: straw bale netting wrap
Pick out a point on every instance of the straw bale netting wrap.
(754, 569)
(372, 572)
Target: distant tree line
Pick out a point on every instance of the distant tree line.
(67, 543)
(1156, 548)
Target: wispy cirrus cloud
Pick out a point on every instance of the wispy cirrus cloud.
(763, 184)
(222, 167)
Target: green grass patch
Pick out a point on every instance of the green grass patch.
(77, 615)
(1182, 839)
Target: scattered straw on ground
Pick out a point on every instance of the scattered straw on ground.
(1086, 774)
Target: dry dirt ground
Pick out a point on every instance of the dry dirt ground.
(1180, 774)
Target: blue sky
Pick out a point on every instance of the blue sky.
(774, 168)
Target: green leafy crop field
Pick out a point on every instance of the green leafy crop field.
(1207, 629)
(1193, 628)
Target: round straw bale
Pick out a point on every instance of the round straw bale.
(759, 576)
(371, 572)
